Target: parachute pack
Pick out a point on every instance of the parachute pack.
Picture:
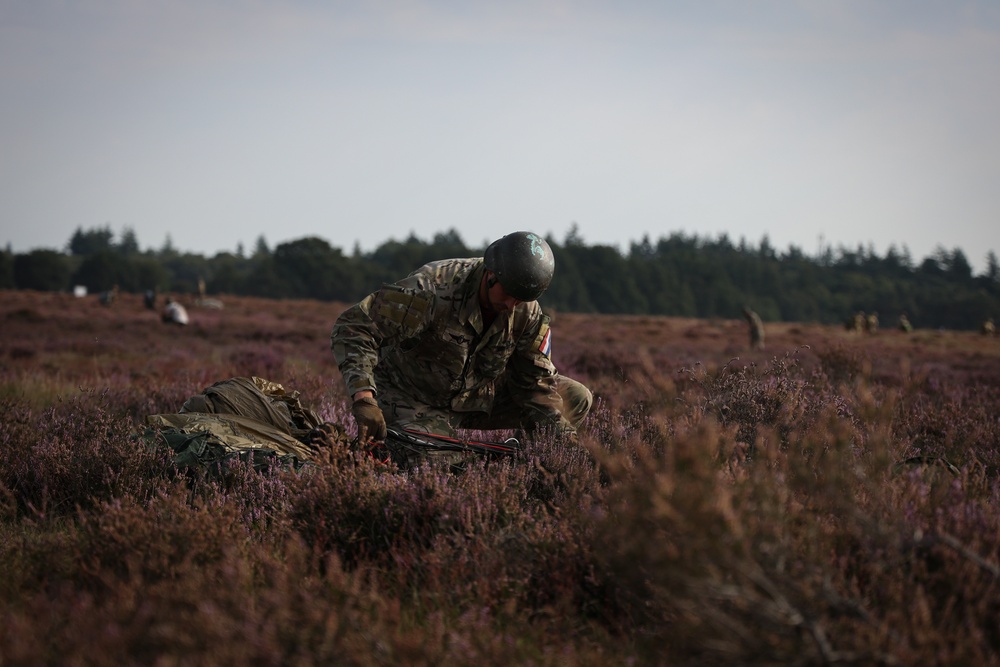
(256, 421)
(243, 418)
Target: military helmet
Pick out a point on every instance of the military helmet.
(523, 263)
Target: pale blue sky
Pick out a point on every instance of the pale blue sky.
(213, 121)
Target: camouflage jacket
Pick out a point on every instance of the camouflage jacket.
(424, 337)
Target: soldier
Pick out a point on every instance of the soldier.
(174, 313)
(109, 297)
(756, 328)
(459, 343)
(904, 324)
(871, 323)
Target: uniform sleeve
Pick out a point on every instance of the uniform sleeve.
(383, 319)
(532, 376)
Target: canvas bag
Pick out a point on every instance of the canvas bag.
(246, 418)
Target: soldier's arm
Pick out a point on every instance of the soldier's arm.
(380, 320)
(355, 341)
(532, 376)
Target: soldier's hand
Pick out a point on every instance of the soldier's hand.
(368, 416)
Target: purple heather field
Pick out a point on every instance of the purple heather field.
(829, 499)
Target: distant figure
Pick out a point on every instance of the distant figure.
(756, 328)
(174, 313)
(904, 324)
(871, 323)
(856, 322)
(988, 328)
(204, 301)
(108, 297)
(149, 298)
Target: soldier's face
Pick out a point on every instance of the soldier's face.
(499, 301)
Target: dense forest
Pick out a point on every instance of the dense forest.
(677, 275)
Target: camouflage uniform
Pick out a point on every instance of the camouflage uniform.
(421, 345)
(756, 329)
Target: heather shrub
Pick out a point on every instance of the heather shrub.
(622, 375)
(261, 498)
(781, 396)
(182, 591)
(37, 558)
(834, 503)
(720, 568)
(626, 431)
(71, 456)
(954, 421)
(257, 359)
(814, 551)
(843, 364)
(338, 508)
(146, 396)
(509, 536)
(929, 573)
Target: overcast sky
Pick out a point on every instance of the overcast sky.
(844, 122)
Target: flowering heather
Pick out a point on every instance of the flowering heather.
(832, 499)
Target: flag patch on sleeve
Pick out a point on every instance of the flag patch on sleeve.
(546, 345)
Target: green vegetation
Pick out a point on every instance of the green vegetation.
(677, 276)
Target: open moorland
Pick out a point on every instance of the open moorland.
(831, 499)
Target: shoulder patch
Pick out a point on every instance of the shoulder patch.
(545, 347)
(543, 341)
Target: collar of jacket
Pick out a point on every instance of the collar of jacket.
(470, 312)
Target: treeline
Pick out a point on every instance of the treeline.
(677, 275)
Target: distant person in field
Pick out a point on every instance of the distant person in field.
(459, 343)
(871, 323)
(904, 324)
(756, 327)
(149, 299)
(174, 313)
(856, 322)
(988, 328)
(108, 297)
(203, 300)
